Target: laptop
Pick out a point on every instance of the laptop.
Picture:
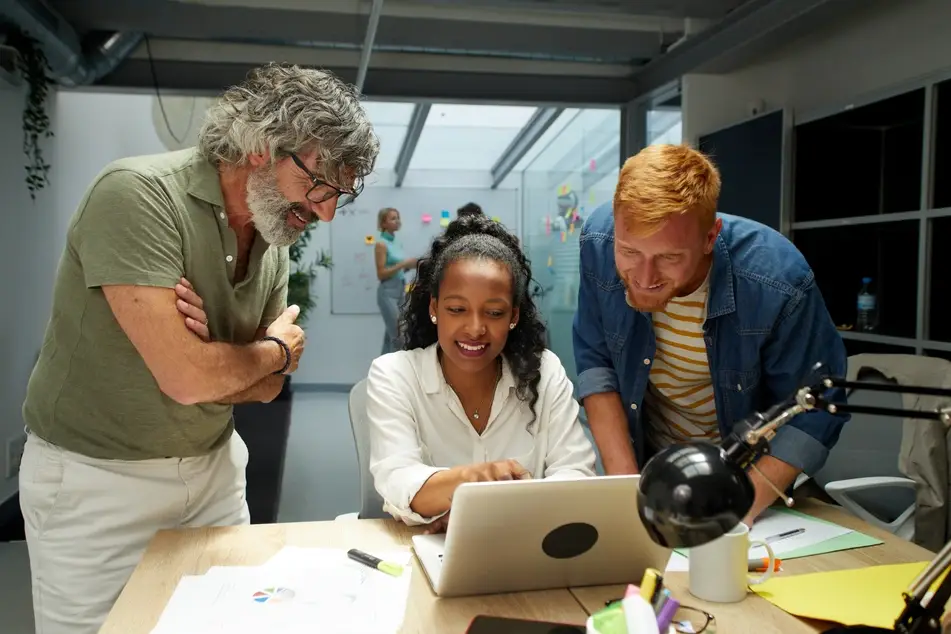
(538, 535)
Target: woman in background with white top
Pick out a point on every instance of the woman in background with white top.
(475, 396)
(390, 265)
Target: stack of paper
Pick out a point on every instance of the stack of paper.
(298, 590)
(817, 537)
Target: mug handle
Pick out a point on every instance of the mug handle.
(769, 569)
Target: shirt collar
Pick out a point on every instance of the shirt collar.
(434, 381)
(203, 181)
(389, 237)
(720, 298)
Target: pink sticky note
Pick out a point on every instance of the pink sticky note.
(547, 225)
(593, 165)
(631, 591)
(427, 219)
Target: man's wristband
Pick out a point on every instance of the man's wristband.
(287, 353)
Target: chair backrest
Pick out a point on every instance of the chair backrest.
(869, 446)
(371, 504)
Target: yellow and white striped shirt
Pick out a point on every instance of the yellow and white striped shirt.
(679, 400)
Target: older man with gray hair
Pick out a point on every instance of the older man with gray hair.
(169, 306)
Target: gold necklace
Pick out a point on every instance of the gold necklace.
(475, 412)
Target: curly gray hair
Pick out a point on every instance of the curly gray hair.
(281, 109)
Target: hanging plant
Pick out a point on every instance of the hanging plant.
(34, 67)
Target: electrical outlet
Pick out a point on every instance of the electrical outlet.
(15, 445)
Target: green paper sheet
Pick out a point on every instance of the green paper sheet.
(848, 541)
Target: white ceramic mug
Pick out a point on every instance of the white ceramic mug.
(719, 570)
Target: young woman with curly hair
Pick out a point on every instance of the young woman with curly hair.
(475, 396)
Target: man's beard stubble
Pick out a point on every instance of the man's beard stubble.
(269, 208)
(658, 304)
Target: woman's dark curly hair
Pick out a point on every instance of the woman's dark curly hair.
(480, 237)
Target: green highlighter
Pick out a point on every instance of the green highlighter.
(366, 559)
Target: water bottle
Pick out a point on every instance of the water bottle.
(866, 319)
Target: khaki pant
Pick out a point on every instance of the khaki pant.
(88, 521)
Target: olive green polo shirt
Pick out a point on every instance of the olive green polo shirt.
(146, 221)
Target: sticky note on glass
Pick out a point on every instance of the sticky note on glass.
(591, 197)
(496, 218)
(547, 225)
(551, 260)
(369, 239)
(444, 222)
(593, 165)
(564, 236)
(571, 228)
(427, 219)
(444, 213)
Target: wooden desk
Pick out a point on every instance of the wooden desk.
(755, 615)
(173, 554)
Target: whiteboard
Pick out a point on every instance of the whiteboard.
(353, 233)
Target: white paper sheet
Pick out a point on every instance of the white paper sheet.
(303, 590)
(775, 522)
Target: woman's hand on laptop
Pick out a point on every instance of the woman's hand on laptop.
(495, 471)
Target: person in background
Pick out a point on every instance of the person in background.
(475, 379)
(469, 209)
(689, 321)
(129, 406)
(390, 265)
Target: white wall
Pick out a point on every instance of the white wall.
(873, 52)
(27, 233)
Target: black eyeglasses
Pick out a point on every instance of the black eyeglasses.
(343, 197)
(687, 620)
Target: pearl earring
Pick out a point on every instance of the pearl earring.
(511, 326)
(432, 318)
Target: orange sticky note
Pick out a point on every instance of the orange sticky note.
(369, 239)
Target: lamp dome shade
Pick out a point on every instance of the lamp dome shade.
(690, 494)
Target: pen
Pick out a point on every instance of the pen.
(760, 565)
(374, 562)
(792, 533)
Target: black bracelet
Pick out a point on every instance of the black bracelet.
(287, 353)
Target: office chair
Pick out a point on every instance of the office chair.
(371, 504)
(861, 473)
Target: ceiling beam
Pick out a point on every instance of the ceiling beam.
(747, 31)
(367, 49)
(186, 50)
(164, 19)
(416, 123)
(412, 85)
(528, 136)
(594, 18)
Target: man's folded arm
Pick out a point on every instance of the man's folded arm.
(187, 369)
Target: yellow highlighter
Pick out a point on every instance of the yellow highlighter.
(388, 567)
(649, 584)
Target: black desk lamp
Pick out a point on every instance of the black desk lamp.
(692, 493)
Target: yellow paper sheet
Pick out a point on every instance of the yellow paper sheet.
(869, 596)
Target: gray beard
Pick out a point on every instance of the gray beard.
(269, 208)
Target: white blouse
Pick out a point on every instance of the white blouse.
(418, 427)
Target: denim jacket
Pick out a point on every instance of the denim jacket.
(766, 326)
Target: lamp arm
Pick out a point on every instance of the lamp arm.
(749, 440)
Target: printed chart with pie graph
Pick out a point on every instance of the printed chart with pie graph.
(273, 595)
